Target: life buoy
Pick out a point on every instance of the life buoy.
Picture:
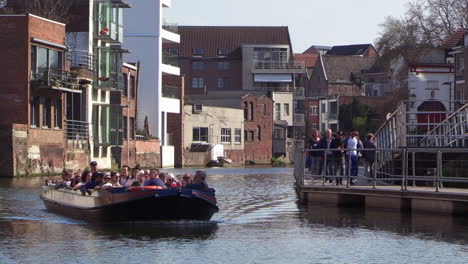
(143, 188)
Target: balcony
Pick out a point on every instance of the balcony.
(81, 60)
(77, 130)
(108, 23)
(277, 66)
(329, 116)
(55, 79)
(299, 93)
(170, 34)
(170, 92)
(170, 64)
(299, 120)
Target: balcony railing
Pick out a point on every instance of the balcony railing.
(170, 59)
(174, 28)
(82, 60)
(77, 130)
(277, 65)
(170, 92)
(54, 78)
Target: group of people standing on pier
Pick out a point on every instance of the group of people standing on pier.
(93, 179)
(335, 155)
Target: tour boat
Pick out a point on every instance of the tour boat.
(131, 204)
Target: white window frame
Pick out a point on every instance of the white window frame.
(200, 136)
(226, 135)
(238, 136)
(313, 110)
(286, 109)
(198, 83)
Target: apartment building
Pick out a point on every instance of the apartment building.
(37, 136)
(145, 33)
(222, 61)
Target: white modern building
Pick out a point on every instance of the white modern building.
(145, 34)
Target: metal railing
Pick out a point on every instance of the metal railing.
(77, 130)
(427, 167)
(276, 65)
(172, 27)
(45, 77)
(170, 59)
(81, 59)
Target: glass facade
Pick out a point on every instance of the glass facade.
(109, 68)
(108, 21)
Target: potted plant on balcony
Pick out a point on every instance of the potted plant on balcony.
(73, 79)
(55, 81)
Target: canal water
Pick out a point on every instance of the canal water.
(260, 221)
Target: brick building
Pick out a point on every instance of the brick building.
(33, 112)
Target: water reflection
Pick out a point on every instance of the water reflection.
(427, 226)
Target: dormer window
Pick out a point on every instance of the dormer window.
(223, 52)
(197, 52)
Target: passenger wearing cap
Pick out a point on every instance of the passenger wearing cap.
(94, 166)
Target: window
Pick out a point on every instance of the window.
(46, 113)
(313, 110)
(198, 65)
(95, 94)
(432, 85)
(246, 111)
(278, 133)
(198, 83)
(103, 96)
(58, 113)
(251, 136)
(197, 52)
(237, 136)
(259, 133)
(34, 112)
(314, 126)
(286, 109)
(173, 51)
(460, 65)
(132, 86)
(264, 109)
(251, 111)
(125, 128)
(125, 89)
(44, 58)
(277, 111)
(225, 135)
(223, 83)
(223, 52)
(131, 126)
(200, 134)
(224, 65)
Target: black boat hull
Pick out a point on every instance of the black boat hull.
(168, 207)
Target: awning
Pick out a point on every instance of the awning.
(273, 78)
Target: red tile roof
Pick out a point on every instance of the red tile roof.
(309, 60)
(212, 38)
(455, 39)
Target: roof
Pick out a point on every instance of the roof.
(339, 68)
(212, 38)
(309, 60)
(315, 49)
(455, 39)
(359, 49)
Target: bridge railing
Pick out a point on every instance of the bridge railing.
(404, 167)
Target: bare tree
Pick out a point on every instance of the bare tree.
(57, 10)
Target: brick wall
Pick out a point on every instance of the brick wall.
(148, 153)
(346, 89)
(175, 122)
(259, 151)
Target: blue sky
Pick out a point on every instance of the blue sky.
(311, 22)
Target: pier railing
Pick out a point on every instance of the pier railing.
(429, 167)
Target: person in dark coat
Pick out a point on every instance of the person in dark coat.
(369, 155)
(338, 160)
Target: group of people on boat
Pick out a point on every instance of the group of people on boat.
(332, 153)
(93, 179)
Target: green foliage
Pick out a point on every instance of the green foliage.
(356, 115)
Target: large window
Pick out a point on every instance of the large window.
(198, 65)
(132, 87)
(46, 113)
(200, 134)
(223, 83)
(277, 111)
(225, 135)
(238, 136)
(264, 109)
(131, 126)
(224, 65)
(125, 89)
(43, 59)
(198, 83)
(271, 54)
(286, 109)
(34, 112)
(58, 113)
